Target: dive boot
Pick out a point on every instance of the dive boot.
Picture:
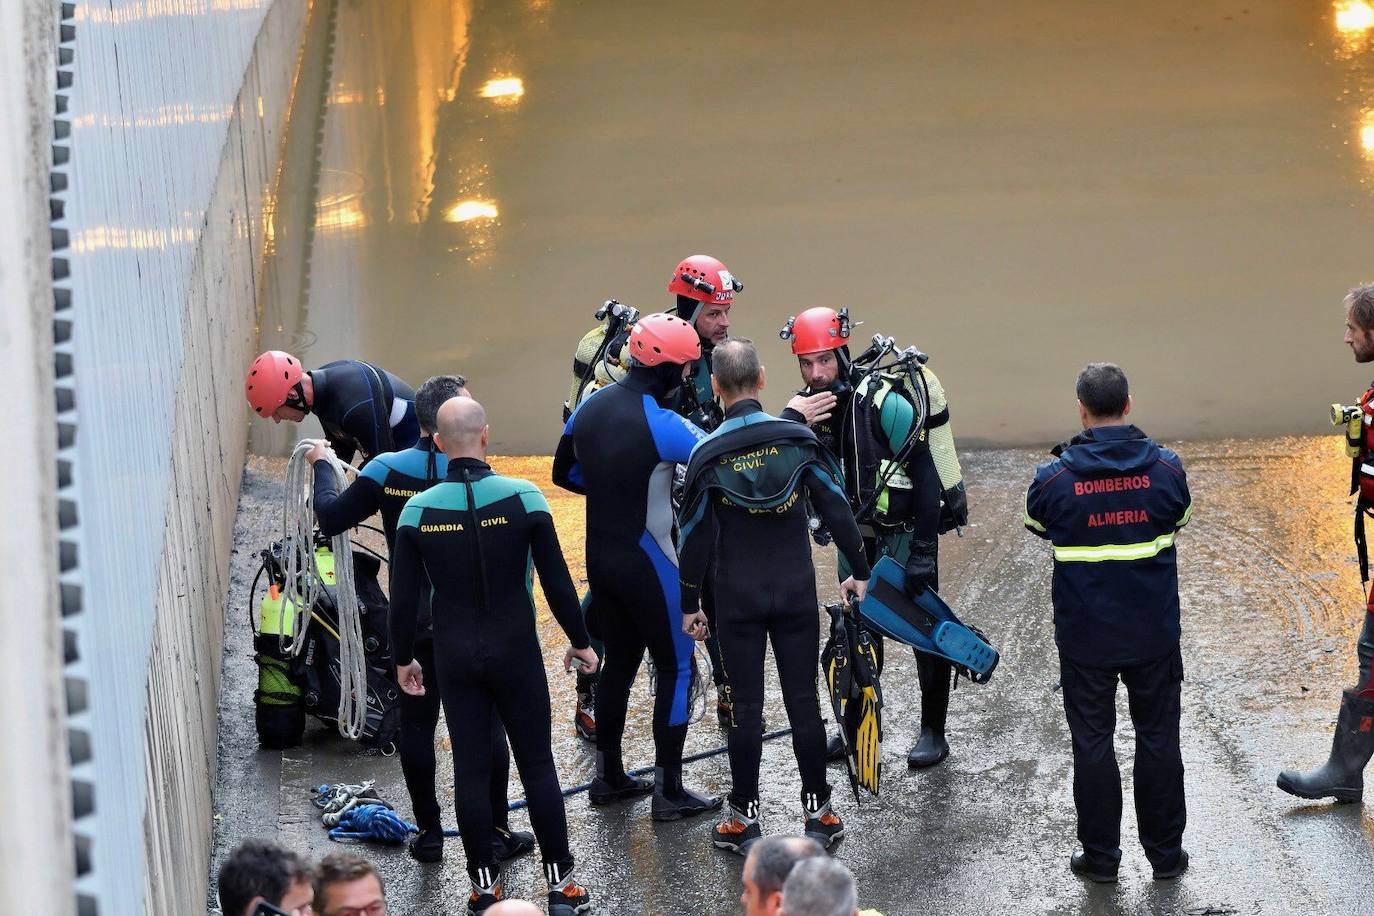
(1342, 776)
(822, 823)
(725, 712)
(740, 830)
(566, 896)
(673, 801)
(507, 844)
(614, 784)
(486, 888)
(834, 749)
(428, 845)
(584, 714)
(929, 749)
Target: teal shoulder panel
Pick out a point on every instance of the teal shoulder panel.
(495, 488)
(447, 495)
(376, 469)
(410, 515)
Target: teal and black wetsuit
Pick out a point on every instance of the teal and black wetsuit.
(384, 486)
(747, 489)
(364, 408)
(475, 538)
(620, 448)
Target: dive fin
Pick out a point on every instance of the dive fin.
(926, 624)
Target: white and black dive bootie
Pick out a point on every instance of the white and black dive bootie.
(566, 896)
(1342, 776)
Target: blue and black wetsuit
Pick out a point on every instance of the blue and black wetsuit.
(619, 448)
(765, 580)
(363, 408)
(474, 538)
(384, 486)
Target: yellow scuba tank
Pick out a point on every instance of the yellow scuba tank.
(942, 436)
(597, 361)
(1352, 418)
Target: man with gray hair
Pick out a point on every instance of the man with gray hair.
(1342, 776)
(820, 887)
(744, 508)
(769, 863)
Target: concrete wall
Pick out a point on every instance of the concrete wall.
(177, 110)
(37, 860)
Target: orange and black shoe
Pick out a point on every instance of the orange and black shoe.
(740, 830)
(822, 823)
(566, 896)
(486, 888)
(584, 715)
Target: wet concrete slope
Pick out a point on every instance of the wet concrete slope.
(1271, 602)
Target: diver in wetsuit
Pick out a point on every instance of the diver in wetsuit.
(472, 538)
(619, 448)
(362, 407)
(745, 507)
(383, 486)
(705, 291)
(897, 488)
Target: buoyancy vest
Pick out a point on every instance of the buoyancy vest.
(877, 469)
(723, 463)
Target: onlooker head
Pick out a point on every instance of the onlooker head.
(430, 396)
(348, 885)
(820, 887)
(740, 374)
(514, 908)
(260, 871)
(1104, 395)
(769, 862)
(1359, 322)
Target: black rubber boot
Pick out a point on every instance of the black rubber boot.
(834, 748)
(507, 844)
(612, 784)
(428, 845)
(929, 749)
(1342, 776)
(673, 801)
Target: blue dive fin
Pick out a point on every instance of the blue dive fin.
(926, 624)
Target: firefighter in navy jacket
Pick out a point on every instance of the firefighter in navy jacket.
(1111, 503)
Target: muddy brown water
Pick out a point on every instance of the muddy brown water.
(1180, 187)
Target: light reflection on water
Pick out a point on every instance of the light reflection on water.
(1017, 194)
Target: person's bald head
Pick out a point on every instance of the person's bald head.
(514, 908)
(462, 429)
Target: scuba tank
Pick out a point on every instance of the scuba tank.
(596, 362)
(279, 703)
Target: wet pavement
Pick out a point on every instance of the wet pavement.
(1271, 603)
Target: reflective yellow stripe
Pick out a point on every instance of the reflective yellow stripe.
(1187, 514)
(1030, 522)
(1114, 551)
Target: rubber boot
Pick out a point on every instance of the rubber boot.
(673, 801)
(929, 749)
(428, 845)
(834, 748)
(613, 784)
(566, 896)
(1342, 776)
(508, 844)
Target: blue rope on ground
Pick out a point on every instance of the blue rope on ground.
(372, 822)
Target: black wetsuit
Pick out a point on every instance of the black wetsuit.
(619, 448)
(488, 659)
(765, 587)
(384, 486)
(363, 408)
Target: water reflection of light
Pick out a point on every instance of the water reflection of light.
(1367, 134)
(468, 210)
(1354, 16)
(339, 212)
(507, 89)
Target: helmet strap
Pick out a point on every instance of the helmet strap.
(295, 398)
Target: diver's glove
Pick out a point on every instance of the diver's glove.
(920, 568)
(953, 508)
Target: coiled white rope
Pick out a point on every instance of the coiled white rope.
(303, 586)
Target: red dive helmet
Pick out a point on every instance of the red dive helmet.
(660, 338)
(816, 330)
(703, 278)
(270, 381)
